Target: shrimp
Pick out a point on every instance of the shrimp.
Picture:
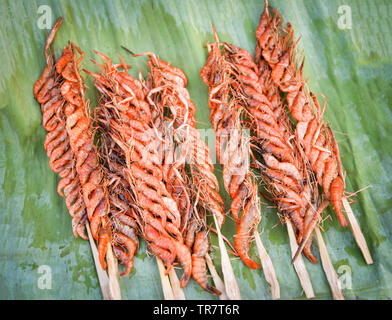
(184, 256)
(199, 269)
(130, 246)
(337, 189)
(124, 259)
(249, 219)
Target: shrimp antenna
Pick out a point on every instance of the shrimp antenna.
(51, 37)
(129, 51)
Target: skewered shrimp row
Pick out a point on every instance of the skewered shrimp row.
(231, 148)
(188, 175)
(276, 47)
(57, 145)
(283, 168)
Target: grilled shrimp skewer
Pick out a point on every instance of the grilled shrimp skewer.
(189, 176)
(276, 51)
(232, 153)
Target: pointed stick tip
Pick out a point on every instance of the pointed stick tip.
(356, 230)
(215, 34)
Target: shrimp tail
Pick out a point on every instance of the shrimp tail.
(308, 253)
(213, 290)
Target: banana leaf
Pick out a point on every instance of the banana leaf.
(352, 67)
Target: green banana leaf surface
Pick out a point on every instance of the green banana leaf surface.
(349, 62)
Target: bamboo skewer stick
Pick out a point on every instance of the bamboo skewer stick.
(329, 270)
(114, 285)
(299, 264)
(217, 280)
(166, 287)
(103, 277)
(178, 293)
(356, 230)
(268, 267)
(232, 290)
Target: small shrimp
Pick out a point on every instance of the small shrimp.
(330, 173)
(307, 248)
(164, 242)
(312, 220)
(199, 268)
(191, 233)
(300, 109)
(337, 189)
(80, 229)
(235, 183)
(238, 202)
(41, 86)
(129, 232)
(245, 229)
(307, 251)
(184, 256)
(130, 246)
(298, 221)
(124, 259)
(286, 167)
